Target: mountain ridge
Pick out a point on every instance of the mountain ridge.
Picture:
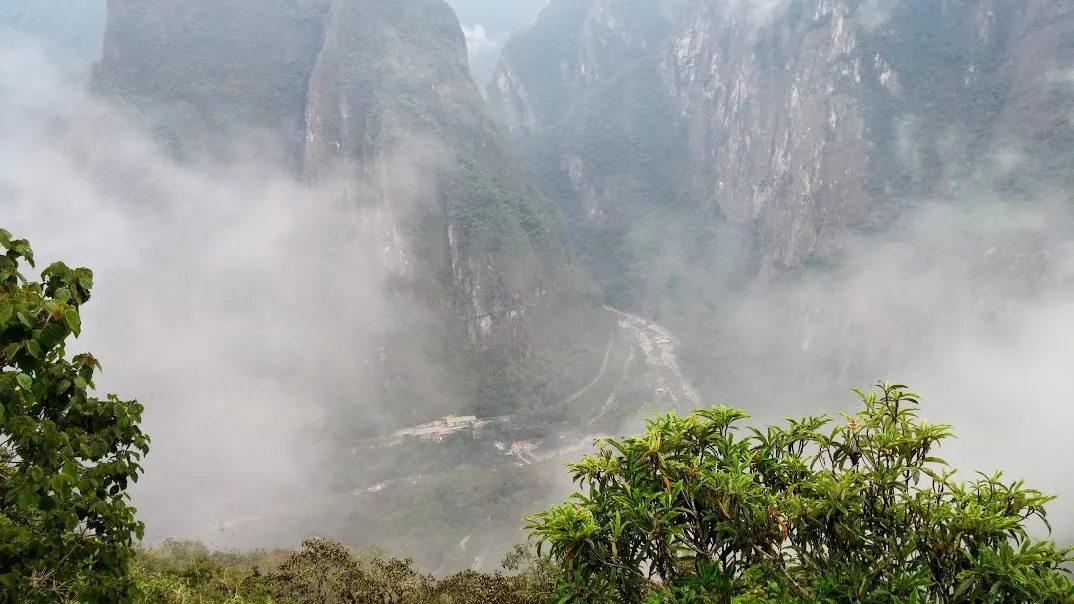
(752, 146)
(807, 120)
(376, 97)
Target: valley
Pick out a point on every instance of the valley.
(603, 415)
(378, 269)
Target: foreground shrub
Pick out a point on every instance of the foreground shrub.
(66, 457)
(864, 511)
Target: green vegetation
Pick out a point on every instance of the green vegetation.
(66, 457)
(213, 71)
(324, 572)
(500, 20)
(693, 511)
(609, 142)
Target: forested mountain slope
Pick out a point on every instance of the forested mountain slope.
(799, 119)
(699, 146)
(374, 97)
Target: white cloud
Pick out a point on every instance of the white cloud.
(478, 40)
(230, 299)
(873, 14)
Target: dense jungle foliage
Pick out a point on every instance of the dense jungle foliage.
(692, 511)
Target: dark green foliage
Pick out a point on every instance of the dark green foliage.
(210, 71)
(66, 457)
(326, 572)
(497, 215)
(863, 511)
(950, 82)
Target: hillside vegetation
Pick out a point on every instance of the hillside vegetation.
(694, 510)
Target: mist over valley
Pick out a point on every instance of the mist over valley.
(377, 270)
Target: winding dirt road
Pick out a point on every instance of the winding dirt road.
(596, 378)
(657, 345)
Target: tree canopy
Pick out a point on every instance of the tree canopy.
(66, 457)
(859, 511)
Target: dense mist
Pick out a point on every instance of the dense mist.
(233, 302)
(242, 307)
(966, 302)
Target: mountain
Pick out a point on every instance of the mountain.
(795, 120)
(488, 24)
(704, 150)
(375, 96)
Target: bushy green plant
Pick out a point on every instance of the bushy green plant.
(695, 511)
(326, 572)
(66, 457)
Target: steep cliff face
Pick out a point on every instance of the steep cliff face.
(209, 69)
(572, 47)
(710, 153)
(377, 87)
(581, 94)
(804, 118)
(810, 122)
(488, 25)
(374, 96)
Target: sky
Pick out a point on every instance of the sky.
(487, 24)
(73, 28)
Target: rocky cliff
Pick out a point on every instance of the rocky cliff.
(709, 153)
(374, 96)
(798, 119)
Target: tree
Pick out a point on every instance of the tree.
(327, 572)
(695, 511)
(66, 457)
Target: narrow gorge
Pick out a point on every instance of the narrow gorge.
(711, 155)
(375, 99)
(378, 268)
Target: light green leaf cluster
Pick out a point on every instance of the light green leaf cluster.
(696, 511)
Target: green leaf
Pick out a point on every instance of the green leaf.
(33, 348)
(23, 248)
(25, 381)
(73, 321)
(81, 383)
(25, 319)
(5, 238)
(6, 310)
(11, 350)
(86, 280)
(63, 294)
